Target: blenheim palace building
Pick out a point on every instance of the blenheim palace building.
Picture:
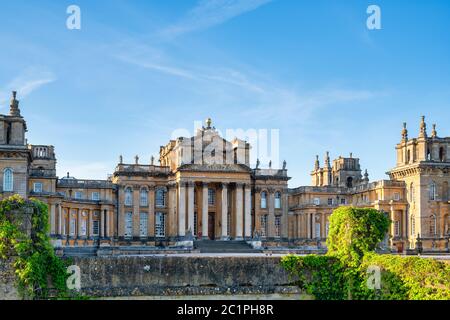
(203, 188)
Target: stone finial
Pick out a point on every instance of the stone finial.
(284, 165)
(434, 132)
(120, 159)
(270, 164)
(257, 163)
(317, 163)
(423, 128)
(136, 159)
(351, 155)
(327, 159)
(404, 132)
(14, 105)
(68, 175)
(152, 160)
(366, 176)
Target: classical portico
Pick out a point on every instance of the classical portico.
(211, 209)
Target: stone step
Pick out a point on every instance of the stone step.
(218, 246)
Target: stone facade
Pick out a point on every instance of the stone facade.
(204, 188)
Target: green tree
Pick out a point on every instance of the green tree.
(354, 232)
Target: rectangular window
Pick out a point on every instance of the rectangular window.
(78, 195)
(330, 201)
(396, 196)
(73, 225)
(397, 228)
(83, 227)
(144, 198)
(160, 198)
(343, 201)
(211, 197)
(160, 225)
(327, 228)
(37, 187)
(263, 226)
(95, 227)
(95, 196)
(128, 225)
(316, 201)
(317, 234)
(277, 226)
(143, 224)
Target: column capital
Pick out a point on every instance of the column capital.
(190, 184)
(224, 185)
(239, 184)
(247, 186)
(171, 185)
(205, 184)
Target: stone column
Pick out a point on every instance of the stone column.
(224, 211)
(151, 211)
(79, 218)
(271, 218)
(59, 219)
(392, 231)
(322, 225)
(89, 228)
(239, 212)
(299, 225)
(190, 208)
(308, 225)
(52, 219)
(247, 212)
(285, 217)
(172, 203)
(182, 209)
(108, 224)
(102, 223)
(313, 229)
(205, 211)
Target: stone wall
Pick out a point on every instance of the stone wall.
(8, 290)
(182, 275)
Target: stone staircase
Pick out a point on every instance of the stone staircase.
(80, 251)
(216, 246)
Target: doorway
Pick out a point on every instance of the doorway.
(211, 226)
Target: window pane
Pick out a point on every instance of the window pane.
(128, 224)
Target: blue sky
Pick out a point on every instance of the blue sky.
(138, 70)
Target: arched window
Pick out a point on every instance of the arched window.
(433, 229)
(428, 155)
(160, 197)
(277, 200)
(263, 200)
(432, 191)
(128, 196)
(8, 180)
(143, 197)
(349, 182)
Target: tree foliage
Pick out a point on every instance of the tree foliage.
(39, 272)
(343, 272)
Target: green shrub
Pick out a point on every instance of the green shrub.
(38, 269)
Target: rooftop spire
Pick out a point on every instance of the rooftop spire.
(434, 132)
(317, 164)
(14, 105)
(404, 132)
(327, 160)
(423, 128)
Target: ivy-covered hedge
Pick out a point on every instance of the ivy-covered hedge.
(411, 278)
(40, 273)
(343, 273)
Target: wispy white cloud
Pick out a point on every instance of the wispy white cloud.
(209, 13)
(26, 82)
